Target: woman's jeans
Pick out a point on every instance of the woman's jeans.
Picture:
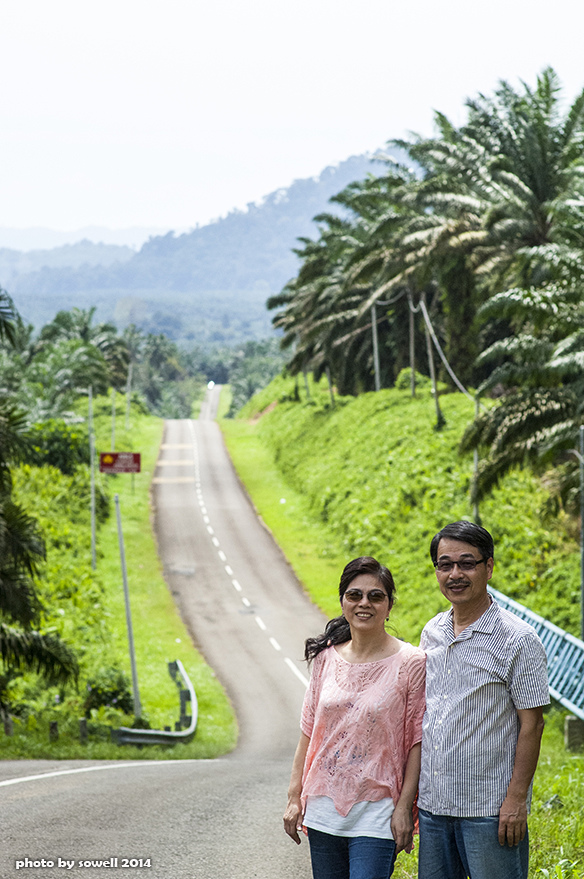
(455, 848)
(350, 857)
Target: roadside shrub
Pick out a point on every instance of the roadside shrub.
(64, 446)
(109, 688)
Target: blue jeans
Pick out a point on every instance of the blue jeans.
(456, 848)
(350, 857)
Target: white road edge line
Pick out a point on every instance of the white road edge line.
(57, 772)
(296, 671)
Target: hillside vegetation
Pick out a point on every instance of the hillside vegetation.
(380, 480)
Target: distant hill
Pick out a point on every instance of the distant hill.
(207, 286)
(41, 238)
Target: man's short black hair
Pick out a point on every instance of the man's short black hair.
(467, 532)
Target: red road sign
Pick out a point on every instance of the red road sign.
(119, 462)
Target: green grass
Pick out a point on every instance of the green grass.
(160, 635)
(373, 477)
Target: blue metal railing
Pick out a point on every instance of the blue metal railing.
(565, 655)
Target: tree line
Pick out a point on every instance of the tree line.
(481, 230)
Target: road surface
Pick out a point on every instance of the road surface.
(206, 819)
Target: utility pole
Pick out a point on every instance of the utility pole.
(128, 394)
(581, 461)
(580, 455)
(136, 692)
(476, 514)
(375, 347)
(92, 477)
(113, 448)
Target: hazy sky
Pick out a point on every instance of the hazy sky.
(168, 114)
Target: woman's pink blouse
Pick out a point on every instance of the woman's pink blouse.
(362, 720)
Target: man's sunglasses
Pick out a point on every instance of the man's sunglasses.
(467, 565)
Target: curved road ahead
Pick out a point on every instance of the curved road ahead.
(205, 819)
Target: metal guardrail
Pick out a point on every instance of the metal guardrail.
(565, 656)
(128, 736)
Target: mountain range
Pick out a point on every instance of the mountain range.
(205, 287)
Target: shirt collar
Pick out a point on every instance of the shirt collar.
(485, 623)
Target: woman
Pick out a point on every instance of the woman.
(355, 772)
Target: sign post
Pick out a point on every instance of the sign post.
(92, 478)
(119, 462)
(137, 705)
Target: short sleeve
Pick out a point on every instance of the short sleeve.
(311, 696)
(416, 699)
(528, 677)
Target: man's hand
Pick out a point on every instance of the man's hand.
(512, 821)
(402, 828)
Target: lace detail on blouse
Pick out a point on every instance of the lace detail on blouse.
(362, 720)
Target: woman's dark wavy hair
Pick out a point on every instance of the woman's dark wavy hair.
(337, 630)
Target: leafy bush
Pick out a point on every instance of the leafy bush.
(375, 471)
(60, 445)
(403, 380)
(109, 688)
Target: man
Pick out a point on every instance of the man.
(486, 683)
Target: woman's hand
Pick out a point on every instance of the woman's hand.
(402, 828)
(294, 813)
(293, 818)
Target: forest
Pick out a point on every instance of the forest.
(466, 261)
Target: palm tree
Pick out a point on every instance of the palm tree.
(76, 325)
(21, 553)
(7, 317)
(492, 198)
(542, 367)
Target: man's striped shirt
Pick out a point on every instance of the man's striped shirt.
(474, 685)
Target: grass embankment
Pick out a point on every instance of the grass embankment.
(92, 618)
(372, 476)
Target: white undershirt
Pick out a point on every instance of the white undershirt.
(363, 819)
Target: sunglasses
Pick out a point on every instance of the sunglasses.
(376, 596)
(468, 565)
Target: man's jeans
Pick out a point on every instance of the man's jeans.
(455, 848)
(350, 857)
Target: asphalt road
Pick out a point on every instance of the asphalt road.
(209, 819)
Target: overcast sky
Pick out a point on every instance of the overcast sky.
(168, 114)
